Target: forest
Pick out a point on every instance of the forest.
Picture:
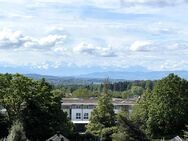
(122, 89)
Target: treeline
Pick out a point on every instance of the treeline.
(126, 85)
(124, 89)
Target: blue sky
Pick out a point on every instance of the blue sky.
(71, 37)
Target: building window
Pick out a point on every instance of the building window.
(91, 106)
(117, 107)
(78, 106)
(85, 106)
(73, 106)
(78, 115)
(86, 116)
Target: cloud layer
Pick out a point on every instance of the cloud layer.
(56, 34)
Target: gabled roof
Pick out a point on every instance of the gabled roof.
(177, 138)
(58, 137)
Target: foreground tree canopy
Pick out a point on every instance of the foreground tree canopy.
(34, 110)
(127, 130)
(33, 104)
(163, 112)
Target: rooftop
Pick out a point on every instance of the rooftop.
(177, 138)
(93, 101)
(57, 137)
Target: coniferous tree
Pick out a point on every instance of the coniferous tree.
(102, 116)
(102, 120)
(141, 110)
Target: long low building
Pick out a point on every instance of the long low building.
(79, 109)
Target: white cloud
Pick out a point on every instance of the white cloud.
(52, 40)
(85, 48)
(10, 39)
(91, 49)
(141, 46)
(15, 39)
(173, 65)
(56, 29)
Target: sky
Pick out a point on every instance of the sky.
(72, 37)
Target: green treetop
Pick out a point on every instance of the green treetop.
(163, 112)
(102, 120)
(34, 105)
(127, 130)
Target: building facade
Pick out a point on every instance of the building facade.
(79, 110)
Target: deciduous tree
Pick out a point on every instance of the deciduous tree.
(163, 112)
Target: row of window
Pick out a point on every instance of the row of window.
(78, 107)
(89, 107)
(78, 116)
(120, 106)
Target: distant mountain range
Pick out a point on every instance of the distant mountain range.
(114, 76)
(66, 80)
(137, 75)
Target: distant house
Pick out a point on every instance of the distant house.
(177, 138)
(57, 137)
(79, 110)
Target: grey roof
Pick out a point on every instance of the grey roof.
(177, 138)
(58, 138)
(93, 101)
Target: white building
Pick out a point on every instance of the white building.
(79, 110)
